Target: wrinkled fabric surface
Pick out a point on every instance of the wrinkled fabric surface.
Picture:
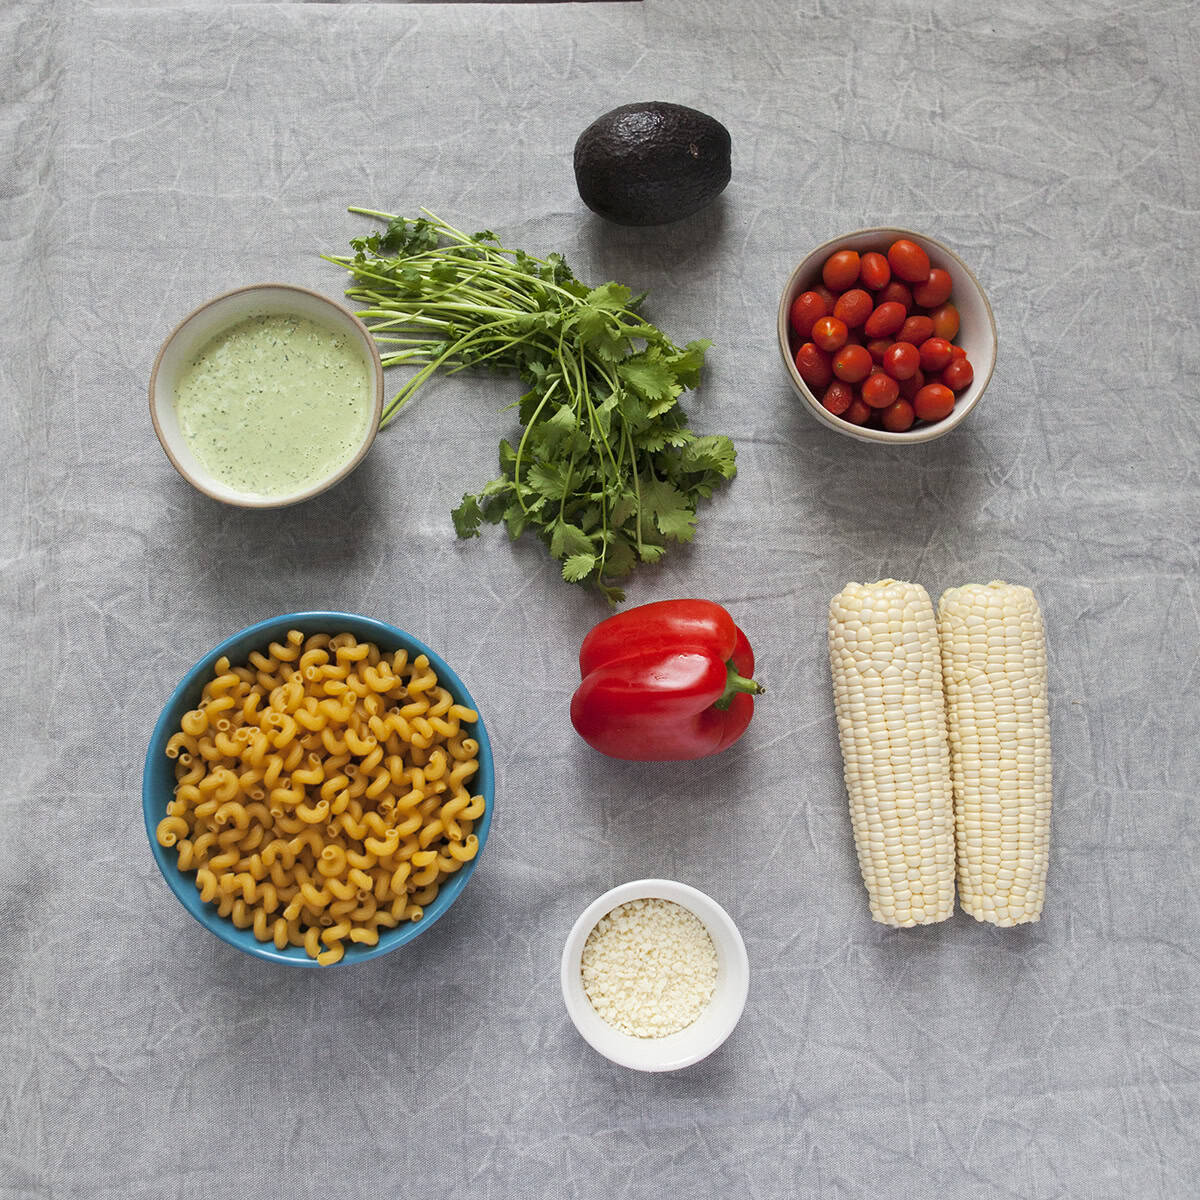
(156, 155)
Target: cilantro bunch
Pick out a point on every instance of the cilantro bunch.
(606, 471)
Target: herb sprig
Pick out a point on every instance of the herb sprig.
(606, 471)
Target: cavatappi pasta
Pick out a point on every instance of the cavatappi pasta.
(322, 792)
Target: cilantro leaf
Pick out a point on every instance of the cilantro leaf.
(560, 433)
(614, 297)
(549, 480)
(619, 558)
(651, 378)
(614, 595)
(603, 415)
(578, 567)
(515, 519)
(687, 363)
(467, 517)
(568, 539)
(714, 452)
(598, 333)
(672, 513)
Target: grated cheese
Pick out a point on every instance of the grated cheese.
(649, 967)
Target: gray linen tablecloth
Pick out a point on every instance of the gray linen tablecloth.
(153, 156)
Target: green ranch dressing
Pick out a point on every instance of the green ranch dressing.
(274, 403)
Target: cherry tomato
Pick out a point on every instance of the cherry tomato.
(933, 402)
(916, 330)
(896, 293)
(886, 320)
(935, 290)
(908, 261)
(853, 307)
(839, 395)
(841, 270)
(878, 347)
(806, 308)
(880, 390)
(902, 360)
(935, 353)
(814, 366)
(911, 386)
(829, 333)
(874, 271)
(945, 321)
(958, 374)
(857, 413)
(852, 363)
(898, 417)
(957, 352)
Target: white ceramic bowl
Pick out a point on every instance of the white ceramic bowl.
(714, 1024)
(198, 327)
(977, 332)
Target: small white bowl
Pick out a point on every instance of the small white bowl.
(977, 332)
(199, 327)
(714, 1024)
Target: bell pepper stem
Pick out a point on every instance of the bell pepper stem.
(736, 684)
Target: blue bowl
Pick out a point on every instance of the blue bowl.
(158, 781)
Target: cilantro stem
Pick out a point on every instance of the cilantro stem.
(637, 491)
(521, 444)
(424, 373)
(371, 212)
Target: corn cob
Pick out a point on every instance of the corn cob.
(994, 671)
(887, 689)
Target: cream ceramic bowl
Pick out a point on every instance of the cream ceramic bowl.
(977, 332)
(200, 326)
(714, 1024)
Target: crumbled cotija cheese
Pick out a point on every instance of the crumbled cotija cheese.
(649, 967)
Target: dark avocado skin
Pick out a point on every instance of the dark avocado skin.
(651, 163)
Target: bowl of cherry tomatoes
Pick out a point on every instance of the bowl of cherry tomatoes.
(887, 336)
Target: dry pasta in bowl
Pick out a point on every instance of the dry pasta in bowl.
(318, 788)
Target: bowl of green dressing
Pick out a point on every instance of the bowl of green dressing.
(267, 395)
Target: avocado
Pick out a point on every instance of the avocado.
(650, 163)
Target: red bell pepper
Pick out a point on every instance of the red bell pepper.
(665, 682)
